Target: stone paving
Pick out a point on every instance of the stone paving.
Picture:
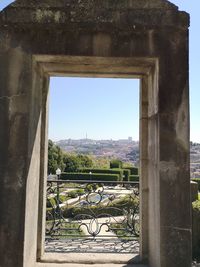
(91, 245)
(106, 241)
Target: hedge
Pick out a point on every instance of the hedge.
(134, 178)
(118, 170)
(197, 180)
(116, 164)
(133, 170)
(92, 177)
(123, 173)
(126, 174)
(104, 171)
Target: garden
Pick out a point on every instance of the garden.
(196, 224)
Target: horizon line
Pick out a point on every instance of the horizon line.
(107, 139)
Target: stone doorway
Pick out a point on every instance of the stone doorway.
(145, 39)
(90, 216)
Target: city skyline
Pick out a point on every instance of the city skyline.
(111, 139)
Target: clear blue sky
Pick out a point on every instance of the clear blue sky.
(90, 100)
(100, 108)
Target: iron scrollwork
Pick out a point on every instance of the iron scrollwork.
(87, 210)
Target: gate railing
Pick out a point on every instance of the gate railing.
(82, 214)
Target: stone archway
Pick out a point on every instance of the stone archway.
(143, 38)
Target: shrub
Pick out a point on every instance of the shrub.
(197, 180)
(51, 202)
(115, 208)
(133, 170)
(196, 206)
(196, 229)
(92, 177)
(134, 178)
(72, 194)
(115, 163)
(80, 191)
(62, 198)
(75, 193)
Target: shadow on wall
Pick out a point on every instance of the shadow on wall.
(134, 262)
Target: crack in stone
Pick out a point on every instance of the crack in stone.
(10, 97)
(177, 228)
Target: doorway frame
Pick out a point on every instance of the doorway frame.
(145, 69)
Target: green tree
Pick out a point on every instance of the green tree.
(101, 162)
(73, 162)
(55, 158)
(84, 161)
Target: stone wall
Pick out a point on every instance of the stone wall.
(145, 32)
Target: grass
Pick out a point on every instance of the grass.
(65, 230)
(125, 232)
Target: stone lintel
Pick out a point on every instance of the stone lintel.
(112, 4)
(132, 14)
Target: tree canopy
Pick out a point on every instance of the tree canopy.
(65, 161)
(55, 158)
(74, 162)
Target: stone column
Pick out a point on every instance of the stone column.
(15, 81)
(173, 180)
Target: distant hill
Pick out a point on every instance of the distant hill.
(125, 149)
(194, 152)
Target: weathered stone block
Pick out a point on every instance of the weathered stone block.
(147, 39)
